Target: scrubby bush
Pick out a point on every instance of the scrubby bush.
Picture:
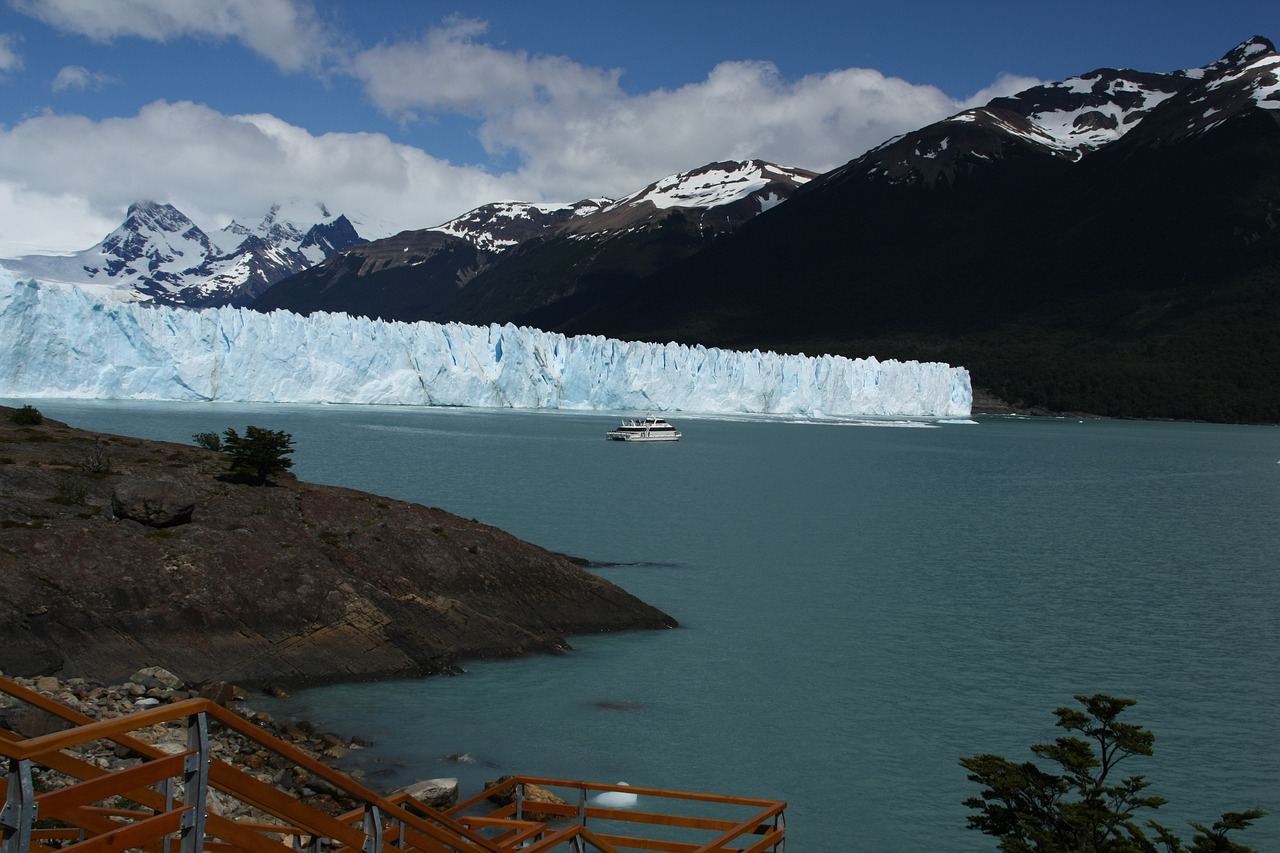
(208, 440)
(27, 416)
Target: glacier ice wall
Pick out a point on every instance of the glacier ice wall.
(59, 341)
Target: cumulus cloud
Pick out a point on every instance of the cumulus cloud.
(78, 78)
(575, 132)
(215, 167)
(447, 70)
(29, 218)
(287, 32)
(1006, 84)
(10, 59)
(561, 130)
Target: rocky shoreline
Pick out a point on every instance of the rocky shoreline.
(121, 552)
(152, 686)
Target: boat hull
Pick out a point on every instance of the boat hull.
(614, 435)
(649, 428)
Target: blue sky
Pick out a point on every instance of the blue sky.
(405, 114)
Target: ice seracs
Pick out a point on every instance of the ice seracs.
(58, 341)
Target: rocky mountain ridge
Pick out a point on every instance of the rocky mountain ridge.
(159, 255)
(500, 257)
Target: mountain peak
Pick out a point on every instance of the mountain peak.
(152, 215)
(719, 183)
(158, 254)
(1246, 52)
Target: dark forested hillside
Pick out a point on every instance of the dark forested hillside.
(1143, 280)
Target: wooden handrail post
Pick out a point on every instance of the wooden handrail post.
(195, 783)
(19, 812)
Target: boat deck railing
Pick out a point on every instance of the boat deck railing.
(167, 802)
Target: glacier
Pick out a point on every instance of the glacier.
(62, 341)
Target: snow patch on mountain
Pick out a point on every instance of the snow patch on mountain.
(1072, 118)
(714, 185)
(502, 225)
(1103, 108)
(58, 341)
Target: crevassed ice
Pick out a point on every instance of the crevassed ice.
(60, 341)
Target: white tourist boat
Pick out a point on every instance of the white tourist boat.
(648, 428)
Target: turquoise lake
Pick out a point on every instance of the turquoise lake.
(860, 605)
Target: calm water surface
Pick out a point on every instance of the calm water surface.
(859, 605)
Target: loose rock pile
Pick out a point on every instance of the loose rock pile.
(152, 686)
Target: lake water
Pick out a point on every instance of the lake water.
(860, 605)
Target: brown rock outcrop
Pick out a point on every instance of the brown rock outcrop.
(287, 584)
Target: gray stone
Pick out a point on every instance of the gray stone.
(161, 676)
(437, 793)
(155, 503)
(30, 721)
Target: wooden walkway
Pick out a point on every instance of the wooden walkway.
(159, 802)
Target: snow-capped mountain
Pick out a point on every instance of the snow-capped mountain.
(159, 255)
(719, 196)
(1105, 244)
(1076, 117)
(503, 225)
(474, 268)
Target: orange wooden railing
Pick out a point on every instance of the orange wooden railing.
(159, 802)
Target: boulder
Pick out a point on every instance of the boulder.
(157, 676)
(30, 721)
(437, 793)
(222, 693)
(155, 503)
(533, 794)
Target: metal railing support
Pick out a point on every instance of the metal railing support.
(19, 812)
(195, 784)
(166, 788)
(372, 829)
(577, 845)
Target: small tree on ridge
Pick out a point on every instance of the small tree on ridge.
(259, 453)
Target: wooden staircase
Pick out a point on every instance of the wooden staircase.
(159, 802)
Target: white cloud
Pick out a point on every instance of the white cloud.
(287, 32)
(29, 218)
(575, 132)
(214, 167)
(10, 59)
(448, 71)
(79, 78)
(1006, 84)
(741, 110)
(571, 129)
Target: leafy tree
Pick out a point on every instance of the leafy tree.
(259, 453)
(1085, 807)
(208, 440)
